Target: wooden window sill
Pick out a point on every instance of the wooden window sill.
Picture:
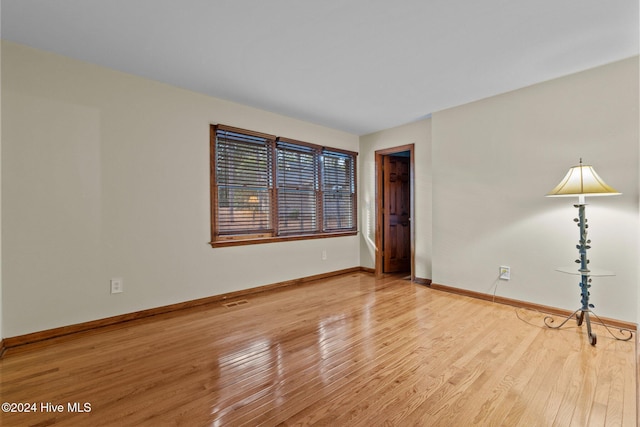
(259, 240)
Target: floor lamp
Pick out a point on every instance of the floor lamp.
(582, 181)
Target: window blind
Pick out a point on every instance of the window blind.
(267, 188)
(244, 179)
(297, 188)
(338, 190)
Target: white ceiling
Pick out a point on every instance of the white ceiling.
(355, 65)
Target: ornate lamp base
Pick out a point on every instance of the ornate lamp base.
(584, 315)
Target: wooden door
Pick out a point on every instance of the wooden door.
(396, 238)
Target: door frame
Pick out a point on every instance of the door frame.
(379, 156)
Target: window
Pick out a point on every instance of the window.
(297, 188)
(338, 190)
(266, 188)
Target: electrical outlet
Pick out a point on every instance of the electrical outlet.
(324, 254)
(117, 286)
(505, 272)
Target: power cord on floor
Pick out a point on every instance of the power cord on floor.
(517, 309)
(495, 291)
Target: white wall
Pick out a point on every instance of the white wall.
(419, 134)
(495, 159)
(107, 175)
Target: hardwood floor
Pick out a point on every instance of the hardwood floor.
(346, 351)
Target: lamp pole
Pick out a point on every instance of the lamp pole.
(585, 280)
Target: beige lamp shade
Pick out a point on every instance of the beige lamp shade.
(582, 180)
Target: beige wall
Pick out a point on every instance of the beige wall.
(107, 175)
(419, 134)
(495, 159)
(1, 329)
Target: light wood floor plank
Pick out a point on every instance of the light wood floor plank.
(349, 350)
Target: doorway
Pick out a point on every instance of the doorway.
(394, 211)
